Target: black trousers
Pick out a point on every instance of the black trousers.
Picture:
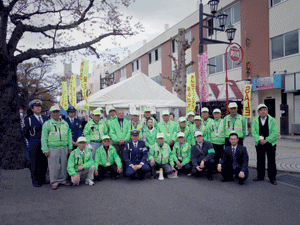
(39, 163)
(208, 168)
(219, 149)
(111, 169)
(261, 151)
(227, 143)
(186, 169)
(228, 172)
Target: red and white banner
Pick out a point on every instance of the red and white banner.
(203, 83)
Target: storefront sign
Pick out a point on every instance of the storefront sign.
(235, 53)
(247, 102)
(267, 83)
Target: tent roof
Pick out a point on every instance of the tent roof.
(136, 90)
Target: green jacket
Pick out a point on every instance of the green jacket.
(150, 137)
(188, 133)
(144, 120)
(215, 132)
(182, 153)
(189, 123)
(168, 130)
(76, 159)
(108, 122)
(138, 126)
(95, 131)
(161, 155)
(202, 129)
(56, 135)
(239, 125)
(101, 158)
(206, 124)
(117, 134)
(273, 130)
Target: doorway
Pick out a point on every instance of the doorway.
(270, 103)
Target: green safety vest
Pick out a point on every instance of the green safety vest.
(76, 159)
(150, 137)
(216, 132)
(94, 131)
(116, 133)
(101, 159)
(238, 125)
(182, 153)
(188, 133)
(144, 121)
(139, 126)
(58, 131)
(168, 130)
(161, 155)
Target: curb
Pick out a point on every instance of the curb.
(279, 171)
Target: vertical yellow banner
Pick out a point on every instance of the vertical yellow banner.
(64, 96)
(72, 91)
(191, 92)
(247, 101)
(84, 70)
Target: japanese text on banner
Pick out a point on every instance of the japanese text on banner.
(84, 70)
(72, 91)
(191, 92)
(247, 101)
(64, 96)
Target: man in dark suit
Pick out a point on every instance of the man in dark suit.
(33, 131)
(235, 161)
(74, 124)
(202, 156)
(135, 156)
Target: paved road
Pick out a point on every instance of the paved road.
(186, 200)
(287, 154)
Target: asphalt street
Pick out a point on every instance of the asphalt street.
(186, 200)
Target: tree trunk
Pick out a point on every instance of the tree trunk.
(12, 154)
(181, 65)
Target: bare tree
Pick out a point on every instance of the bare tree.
(55, 27)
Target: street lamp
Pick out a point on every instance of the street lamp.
(222, 17)
(230, 32)
(213, 5)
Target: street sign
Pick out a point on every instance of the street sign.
(235, 53)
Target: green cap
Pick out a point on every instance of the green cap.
(96, 112)
(147, 110)
(112, 109)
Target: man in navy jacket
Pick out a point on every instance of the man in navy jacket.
(33, 132)
(74, 124)
(135, 156)
(235, 161)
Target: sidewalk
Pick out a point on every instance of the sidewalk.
(287, 153)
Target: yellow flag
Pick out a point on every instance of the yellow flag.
(247, 101)
(72, 91)
(191, 92)
(64, 96)
(84, 70)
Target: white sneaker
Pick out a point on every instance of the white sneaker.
(89, 182)
(77, 183)
(173, 175)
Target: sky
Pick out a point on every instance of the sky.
(152, 14)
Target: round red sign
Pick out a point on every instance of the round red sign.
(235, 53)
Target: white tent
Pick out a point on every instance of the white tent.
(136, 90)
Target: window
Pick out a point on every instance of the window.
(217, 64)
(137, 64)
(236, 13)
(212, 68)
(275, 2)
(150, 58)
(284, 45)
(123, 72)
(157, 79)
(188, 36)
(229, 20)
(173, 46)
(210, 23)
(156, 54)
(132, 67)
(189, 70)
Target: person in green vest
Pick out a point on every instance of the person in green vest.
(215, 132)
(205, 116)
(56, 142)
(112, 116)
(107, 160)
(198, 126)
(149, 133)
(182, 154)
(183, 127)
(234, 122)
(120, 132)
(190, 118)
(265, 132)
(168, 128)
(81, 163)
(94, 130)
(135, 123)
(147, 115)
(160, 156)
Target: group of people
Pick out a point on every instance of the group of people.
(195, 146)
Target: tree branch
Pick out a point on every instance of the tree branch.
(11, 5)
(35, 53)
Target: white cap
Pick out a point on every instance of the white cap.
(204, 109)
(198, 133)
(232, 105)
(190, 114)
(81, 139)
(216, 111)
(165, 112)
(135, 113)
(181, 119)
(261, 106)
(180, 134)
(54, 108)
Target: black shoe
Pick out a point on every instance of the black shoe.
(241, 182)
(209, 178)
(274, 182)
(35, 184)
(224, 180)
(257, 179)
